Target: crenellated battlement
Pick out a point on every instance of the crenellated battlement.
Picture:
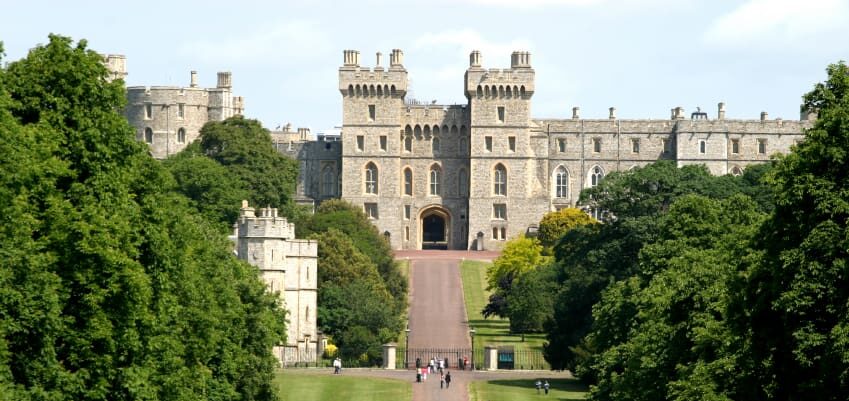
(265, 223)
(356, 82)
(514, 83)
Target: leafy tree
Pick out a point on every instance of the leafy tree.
(250, 168)
(352, 299)
(555, 224)
(110, 287)
(794, 307)
(589, 258)
(530, 301)
(341, 215)
(520, 255)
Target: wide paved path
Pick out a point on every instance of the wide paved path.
(438, 316)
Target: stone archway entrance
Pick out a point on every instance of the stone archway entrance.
(435, 228)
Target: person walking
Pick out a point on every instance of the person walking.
(538, 385)
(441, 365)
(448, 380)
(430, 366)
(546, 386)
(337, 366)
(441, 380)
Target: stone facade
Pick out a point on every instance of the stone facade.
(288, 266)
(472, 176)
(169, 117)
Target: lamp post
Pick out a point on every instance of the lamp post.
(472, 336)
(407, 348)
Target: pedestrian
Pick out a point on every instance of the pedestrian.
(441, 380)
(448, 380)
(430, 366)
(538, 385)
(337, 366)
(441, 365)
(465, 362)
(546, 386)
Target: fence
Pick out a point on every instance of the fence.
(522, 360)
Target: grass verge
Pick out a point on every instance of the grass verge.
(297, 385)
(492, 331)
(521, 390)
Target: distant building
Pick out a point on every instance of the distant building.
(472, 176)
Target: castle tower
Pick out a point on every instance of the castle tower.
(508, 165)
(289, 267)
(372, 109)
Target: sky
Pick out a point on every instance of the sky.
(643, 57)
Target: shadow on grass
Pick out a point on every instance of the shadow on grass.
(565, 385)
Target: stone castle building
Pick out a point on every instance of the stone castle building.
(170, 117)
(474, 175)
(288, 266)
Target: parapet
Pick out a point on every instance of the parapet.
(265, 224)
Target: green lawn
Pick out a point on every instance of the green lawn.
(521, 390)
(492, 331)
(298, 385)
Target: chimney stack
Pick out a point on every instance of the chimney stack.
(720, 113)
(379, 59)
(764, 116)
(194, 81)
(225, 80)
(612, 113)
(576, 113)
(475, 59)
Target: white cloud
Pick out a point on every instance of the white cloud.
(285, 43)
(779, 22)
(466, 40)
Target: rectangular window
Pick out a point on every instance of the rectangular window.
(494, 232)
(666, 146)
(501, 114)
(407, 212)
(511, 141)
(371, 112)
(383, 142)
(407, 233)
(181, 110)
(503, 233)
(561, 145)
(702, 147)
(762, 146)
(499, 211)
(148, 111)
(361, 140)
(597, 145)
(735, 146)
(371, 210)
(488, 143)
(635, 146)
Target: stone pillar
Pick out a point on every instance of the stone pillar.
(194, 80)
(475, 59)
(389, 355)
(613, 113)
(576, 113)
(490, 358)
(720, 114)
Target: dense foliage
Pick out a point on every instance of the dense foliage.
(715, 288)
(361, 293)
(233, 160)
(111, 287)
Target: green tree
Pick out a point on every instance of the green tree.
(110, 287)
(352, 299)
(520, 255)
(794, 309)
(530, 301)
(555, 224)
(341, 215)
(250, 163)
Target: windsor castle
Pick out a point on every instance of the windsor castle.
(467, 176)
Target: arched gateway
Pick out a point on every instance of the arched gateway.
(435, 228)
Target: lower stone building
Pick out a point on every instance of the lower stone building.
(474, 175)
(289, 267)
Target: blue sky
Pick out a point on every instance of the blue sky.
(642, 57)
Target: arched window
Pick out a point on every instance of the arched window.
(359, 92)
(181, 135)
(427, 130)
(418, 131)
(408, 143)
(499, 180)
(371, 179)
(463, 183)
(435, 144)
(486, 91)
(350, 90)
(328, 181)
(596, 174)
(463, 145)
(408, 182)
(435, 176)
(435, 130)
(148, 135)
(453, 130)
(379, 91)
(385, 90)
(561, 183)
(392, 91)
(480, 91)
(463, 131)
(509, 92)
(522, 91)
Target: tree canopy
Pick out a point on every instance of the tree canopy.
(111, 287)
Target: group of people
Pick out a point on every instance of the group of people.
(541, 385)
(435, 365)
